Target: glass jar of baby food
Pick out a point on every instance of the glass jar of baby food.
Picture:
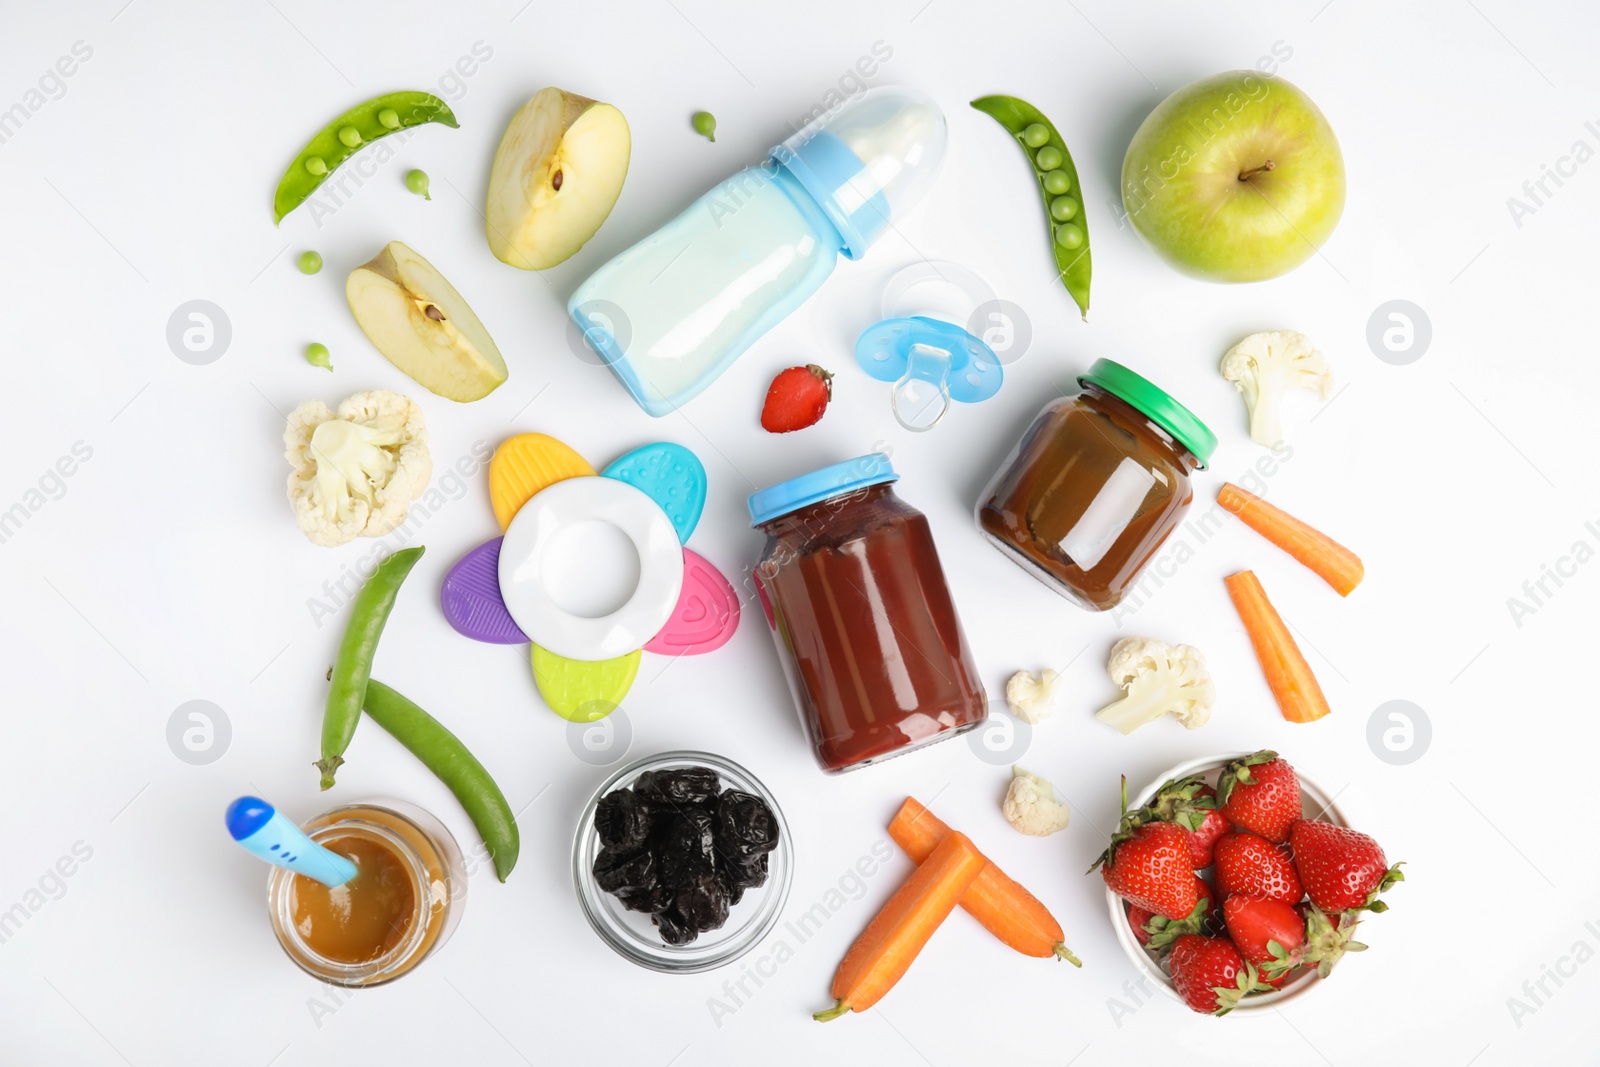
(1095, 485)
(401, 907)
(864, 623)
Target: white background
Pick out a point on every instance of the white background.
(171, 570)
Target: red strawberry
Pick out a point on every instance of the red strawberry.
(1157, 932)
(1210, 975)
(1203, 840)
(1140, 918)
(1255, 867)
(1268, 933)
(1343, 870)
(796, 399)
(1261, 793)
(1149, 866)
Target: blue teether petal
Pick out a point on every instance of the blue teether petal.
(669, 474)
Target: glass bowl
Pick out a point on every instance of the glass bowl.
(1315, 803)
(631, 933)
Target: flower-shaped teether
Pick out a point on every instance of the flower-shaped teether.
(543, 494)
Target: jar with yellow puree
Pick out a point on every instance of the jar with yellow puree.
(401, 906)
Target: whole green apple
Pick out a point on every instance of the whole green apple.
(1236, 178)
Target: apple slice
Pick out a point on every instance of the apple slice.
(556, 176)
(423, 326)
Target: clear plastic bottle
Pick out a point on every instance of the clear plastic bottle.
(670, 314)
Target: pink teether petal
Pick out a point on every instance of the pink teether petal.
(471, 598)
(706, 615)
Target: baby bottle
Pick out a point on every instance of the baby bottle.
(671, 313)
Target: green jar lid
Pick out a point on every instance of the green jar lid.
(1164, 411)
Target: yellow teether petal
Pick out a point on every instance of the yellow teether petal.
(525, 464)
(583, 690)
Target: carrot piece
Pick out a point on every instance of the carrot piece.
(1293, 685)
(1005, 909)
(883, 953)
(1327, 558)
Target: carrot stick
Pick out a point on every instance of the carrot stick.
(1005, 909)
(1293, 685)
(1331, 561)
(884, 951)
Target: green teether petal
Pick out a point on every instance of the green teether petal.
(583, 690)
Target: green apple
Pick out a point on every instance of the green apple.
(423, 326)
(1236, 178)
(556, 176)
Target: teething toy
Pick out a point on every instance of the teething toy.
(543, 492)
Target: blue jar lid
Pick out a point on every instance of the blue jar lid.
(871, 469)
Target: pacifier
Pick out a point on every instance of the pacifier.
(922, 344)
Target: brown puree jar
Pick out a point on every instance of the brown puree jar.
(865, 627)
(1096, 484)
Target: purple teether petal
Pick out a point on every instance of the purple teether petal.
(471, 599)
(706, 615)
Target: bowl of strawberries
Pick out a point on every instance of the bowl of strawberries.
(1236, 884)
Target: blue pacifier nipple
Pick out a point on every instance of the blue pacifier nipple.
(923, 347)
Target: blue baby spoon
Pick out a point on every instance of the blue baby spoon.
(267, 832)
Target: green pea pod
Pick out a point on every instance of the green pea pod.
(443, 753)
(1058, 182)
(354, 665)
(347, 134)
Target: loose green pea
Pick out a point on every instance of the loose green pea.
(1069, 240)
(346, 135)
(417, 182)
(310, 262)
(317, 355)
(705, 124)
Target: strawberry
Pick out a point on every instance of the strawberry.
(796, 399)
(1149, 866)
(1255, 867)
(1268, 933)
(1191, 804)
(1159, 933)
(1343, 870)
(1204, 839)
(1260, 793)
(1210, 975)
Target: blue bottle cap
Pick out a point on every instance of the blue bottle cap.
(871, 469)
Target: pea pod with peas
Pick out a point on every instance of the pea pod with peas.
(345, 135)
(1058, 184)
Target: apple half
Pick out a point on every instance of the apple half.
(556, 176)
(423, 326)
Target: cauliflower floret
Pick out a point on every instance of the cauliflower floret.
(357, 470)
(1265, 366)
(1031, 806)
(1159, 679)
(1031, 697)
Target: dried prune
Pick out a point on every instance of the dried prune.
(622, 819)
(702, 904)
(746, 873)
(651, 900)
(674, 929)
(686, 785)
(618, 869)
(685, 845)
(745, 825)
